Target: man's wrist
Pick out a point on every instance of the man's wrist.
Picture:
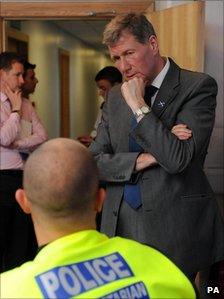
(144, 109)
(16, 111)
(139, 118)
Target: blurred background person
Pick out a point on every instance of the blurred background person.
(105, 79)
(30, 80)
(28, 88)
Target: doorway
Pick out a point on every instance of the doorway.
(64, 78)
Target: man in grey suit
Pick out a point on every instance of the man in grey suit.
(157, 192)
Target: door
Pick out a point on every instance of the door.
(64, 93)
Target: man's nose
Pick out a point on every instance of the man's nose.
(124, 65)
(21, 80)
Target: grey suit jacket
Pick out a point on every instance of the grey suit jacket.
(180, 213)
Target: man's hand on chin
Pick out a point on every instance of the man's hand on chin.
(15, 97)
(133, 92)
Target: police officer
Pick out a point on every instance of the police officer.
(74, 260)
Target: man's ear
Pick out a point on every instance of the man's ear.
(101, 194)
(153, 43)
(23, 201)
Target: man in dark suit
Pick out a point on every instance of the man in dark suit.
(157, 192)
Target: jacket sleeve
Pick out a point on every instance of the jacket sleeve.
(113, 167)
(198, 113)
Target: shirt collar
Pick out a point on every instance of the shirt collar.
(3, 97)
(157, 82)
(82, 239)
(40, 248)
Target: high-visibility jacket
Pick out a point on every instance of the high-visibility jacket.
(87, 264)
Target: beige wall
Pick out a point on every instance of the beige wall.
(45, 39)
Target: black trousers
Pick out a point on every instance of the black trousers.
(17, 239)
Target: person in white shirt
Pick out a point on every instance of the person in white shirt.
(105, 79)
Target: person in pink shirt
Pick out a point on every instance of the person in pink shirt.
(21, 131)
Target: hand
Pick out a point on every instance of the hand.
(13, 145)
(85, 140)
(133, 93)
(181, 131)
(144, 160)
(15, 98)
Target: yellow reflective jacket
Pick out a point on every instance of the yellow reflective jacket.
(87, 264)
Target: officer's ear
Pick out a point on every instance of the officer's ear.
(101, 194)
(23, 201)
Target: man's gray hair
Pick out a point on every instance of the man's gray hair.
(135, 24)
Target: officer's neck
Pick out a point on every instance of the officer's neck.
(49, 232)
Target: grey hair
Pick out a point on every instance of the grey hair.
(136, 24)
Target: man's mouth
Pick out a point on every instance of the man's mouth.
(130, 76)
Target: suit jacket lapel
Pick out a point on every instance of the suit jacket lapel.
(168, 90)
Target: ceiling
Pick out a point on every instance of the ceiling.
(89, 32)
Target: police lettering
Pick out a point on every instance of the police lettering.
(74, 279)
(137, 291)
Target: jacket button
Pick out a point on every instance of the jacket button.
(115, 213)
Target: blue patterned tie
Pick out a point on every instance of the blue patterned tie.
(132, 192)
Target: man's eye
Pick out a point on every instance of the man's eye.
(130, 53)
(115, 58)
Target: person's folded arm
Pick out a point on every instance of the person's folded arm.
(37, 137)
(9, 129)
(198, 113)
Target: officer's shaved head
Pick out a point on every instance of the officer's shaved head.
(61, 178)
